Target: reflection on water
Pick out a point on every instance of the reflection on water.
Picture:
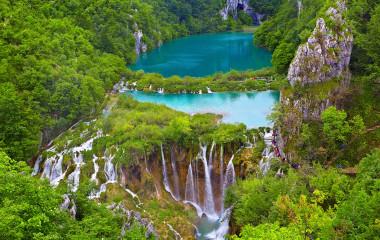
(205, 54)
(250, 108)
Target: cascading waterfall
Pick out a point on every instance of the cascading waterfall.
(190, 187)
(217, 227)
(209, 203)
(109, 169)
(197, 182)
(109, 173)
(190, 191)
(210, 158)
(229, 178)
(96, 169)
(74, 177)
(36, 167)
(299, 6)
(221, 171)
(56, 172)
(165, 175)
(175, 175)
(52, 168)
(265, 162)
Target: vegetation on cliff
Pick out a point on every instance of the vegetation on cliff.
(333, 195)
(58, 59)
(30, 209)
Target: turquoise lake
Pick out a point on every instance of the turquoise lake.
(250, 108)
(205, 54)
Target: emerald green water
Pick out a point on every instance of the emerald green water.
(205, 54)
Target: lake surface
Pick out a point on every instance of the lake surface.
(205, 54)
(250, 108)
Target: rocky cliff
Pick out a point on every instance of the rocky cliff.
(326, 54)
(233, 6)
(319, 75)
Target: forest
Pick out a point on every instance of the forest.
(60, 61)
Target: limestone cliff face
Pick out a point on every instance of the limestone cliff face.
(233, 6)
(140, 46)
(326, 54)
(319, 75)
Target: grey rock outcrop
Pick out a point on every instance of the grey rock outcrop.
(133, 216)
(232, 7)
(69, 205)
(326, 54)
(140, 46)
(321, 69)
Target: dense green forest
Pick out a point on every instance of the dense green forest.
(61, 59)
(58, 58)
(323, 200)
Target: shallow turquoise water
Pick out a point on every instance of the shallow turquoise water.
(250, 108)
(205, 54)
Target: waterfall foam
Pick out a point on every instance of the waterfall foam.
(190, 191)
(96, 170)
(209, 204)
(265, 162)
(190, 187)
(165, 175)
(229, 179)
(175, 174)
(36, 167)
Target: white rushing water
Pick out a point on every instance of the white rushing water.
(165, 175)
(36, 167)
(53, 165)
(175, 175)
(211, 225)
(96, 170)
(109, 173)
(209, 204)
(190, 186)
(267, 155)
(190, 191)
(229, 178)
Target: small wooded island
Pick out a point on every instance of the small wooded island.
(178, 119)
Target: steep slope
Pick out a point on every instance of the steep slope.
(319, 75)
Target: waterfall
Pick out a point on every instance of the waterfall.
(209, 198)
(190, 191)
(210, 158)
(96, 170)
(190, 187)
(165, 175)
(248, 144)
(175, 174)
(265, 162)
(109, 169)
(109, 173)
(47, 168)
(221, 171)
(224, 224)
(36, 167)
(299, 6)
(229, 179)
(56, 173)
(52, 168)
(74, 177)
(196, 182)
